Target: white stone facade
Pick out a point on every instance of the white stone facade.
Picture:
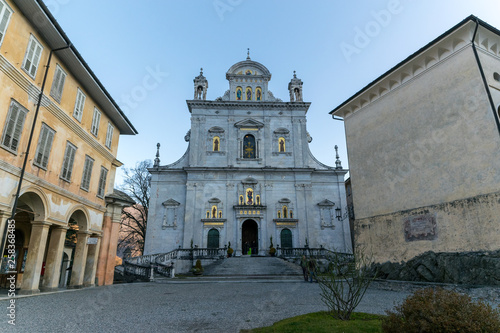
(247, 175)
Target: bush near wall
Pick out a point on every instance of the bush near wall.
(438, 310)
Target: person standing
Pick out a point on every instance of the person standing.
(303, 264)
(312, 270)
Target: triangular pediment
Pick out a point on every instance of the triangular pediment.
(249, 123)
(326, 202)
(170, 202)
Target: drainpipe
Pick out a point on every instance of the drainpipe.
(483, 77)
(21, 177)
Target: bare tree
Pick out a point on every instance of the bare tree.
(345, 282)
(137, 184)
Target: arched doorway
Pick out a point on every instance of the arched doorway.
(250, 237)
(213, 239)
(286, 238)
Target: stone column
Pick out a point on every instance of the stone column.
(79, 260)
(103, 252)
(54, 258)
(113, 245)
(4, 216)
(34, 260)
(91, 265)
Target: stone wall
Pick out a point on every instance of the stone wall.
(474, 268)
(458, 226)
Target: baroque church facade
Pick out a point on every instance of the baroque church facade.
(247, 175)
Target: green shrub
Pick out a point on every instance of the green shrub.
(197, 269)
(441, 311)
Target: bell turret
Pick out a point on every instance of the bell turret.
(200, 86)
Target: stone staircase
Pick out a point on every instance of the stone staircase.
(247, 268)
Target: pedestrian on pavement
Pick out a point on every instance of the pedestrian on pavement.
(303, 264)
(312, 270)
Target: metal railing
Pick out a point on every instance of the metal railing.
(297, 252)
(164, 263)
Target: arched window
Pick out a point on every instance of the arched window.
(220, 214)
(258, 94)
(216, 143)
(286, 238)
(285, 212)
(281, 145)
(248, 93)
(208, 214)
(213, 239)
(239, 93)
(249, 146)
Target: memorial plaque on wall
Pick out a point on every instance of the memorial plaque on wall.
(420, 227)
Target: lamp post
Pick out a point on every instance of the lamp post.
(11, 221)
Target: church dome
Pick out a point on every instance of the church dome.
(248, 81)
(248, 68)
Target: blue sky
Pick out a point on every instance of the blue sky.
(147, 53)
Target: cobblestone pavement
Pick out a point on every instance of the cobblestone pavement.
(180, 306)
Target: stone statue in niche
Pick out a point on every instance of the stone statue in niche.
(298, 98)
(199, 92)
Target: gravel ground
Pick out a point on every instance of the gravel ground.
(183, 306)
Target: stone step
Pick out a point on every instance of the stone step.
(252, 266)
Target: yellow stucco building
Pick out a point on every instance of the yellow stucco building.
(72, 159)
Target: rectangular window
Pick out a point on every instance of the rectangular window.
(87, 172)
(13, 126)
(102, 182)
(32, 57)
(44, 146)
(96, 119)
(5, 13)
(58, 84)
(69, 158)
(109, 135)
(79, 104)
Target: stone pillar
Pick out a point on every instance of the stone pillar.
(113, 245)
(79, 260)
(103, 251)
(91, 265)
(34, 260)
(4, 216)
(54, 258)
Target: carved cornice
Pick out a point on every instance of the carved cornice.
(261, 105)
(51, 187)
(417, 64)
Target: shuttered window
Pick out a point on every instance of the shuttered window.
(79, 104)
(109, 135)
(87, 172)
(13, 126)
(32, 57)
(102, 182)
(44, 146)
(58, 84)
(96, 118)
(69, 158)
(5, 13)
